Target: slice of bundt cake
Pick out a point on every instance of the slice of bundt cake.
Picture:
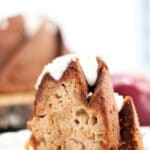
(75, 107)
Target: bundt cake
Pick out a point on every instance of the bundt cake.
(76, 109)
(27, 43)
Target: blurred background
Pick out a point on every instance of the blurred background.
(117, 30)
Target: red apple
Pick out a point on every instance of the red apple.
(139, 89)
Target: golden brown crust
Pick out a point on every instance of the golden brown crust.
(103, 95)
(24, 57)
(130, 132)
(101, 103)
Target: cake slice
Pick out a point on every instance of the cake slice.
(75, 107)
(129, 125)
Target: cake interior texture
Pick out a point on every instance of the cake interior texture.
(69, 124)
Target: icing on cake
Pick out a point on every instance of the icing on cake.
(119, 101)
(89, 65)
(4, 24)
(32, 24)
(59, 65)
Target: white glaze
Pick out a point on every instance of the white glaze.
(4, 24)
(58, 66)
(89, 65)
(119, 101)
(32, 24)
(89, 94)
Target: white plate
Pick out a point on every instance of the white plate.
(14, 140)
(17, 140)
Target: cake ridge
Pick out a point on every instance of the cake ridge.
(58, 66)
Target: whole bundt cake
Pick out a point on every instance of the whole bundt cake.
(27, 43)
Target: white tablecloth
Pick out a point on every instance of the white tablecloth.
(16, 140)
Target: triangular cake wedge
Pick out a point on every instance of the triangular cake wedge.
(70, 114)
(129, 125)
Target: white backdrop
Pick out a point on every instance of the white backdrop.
(107, 27)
